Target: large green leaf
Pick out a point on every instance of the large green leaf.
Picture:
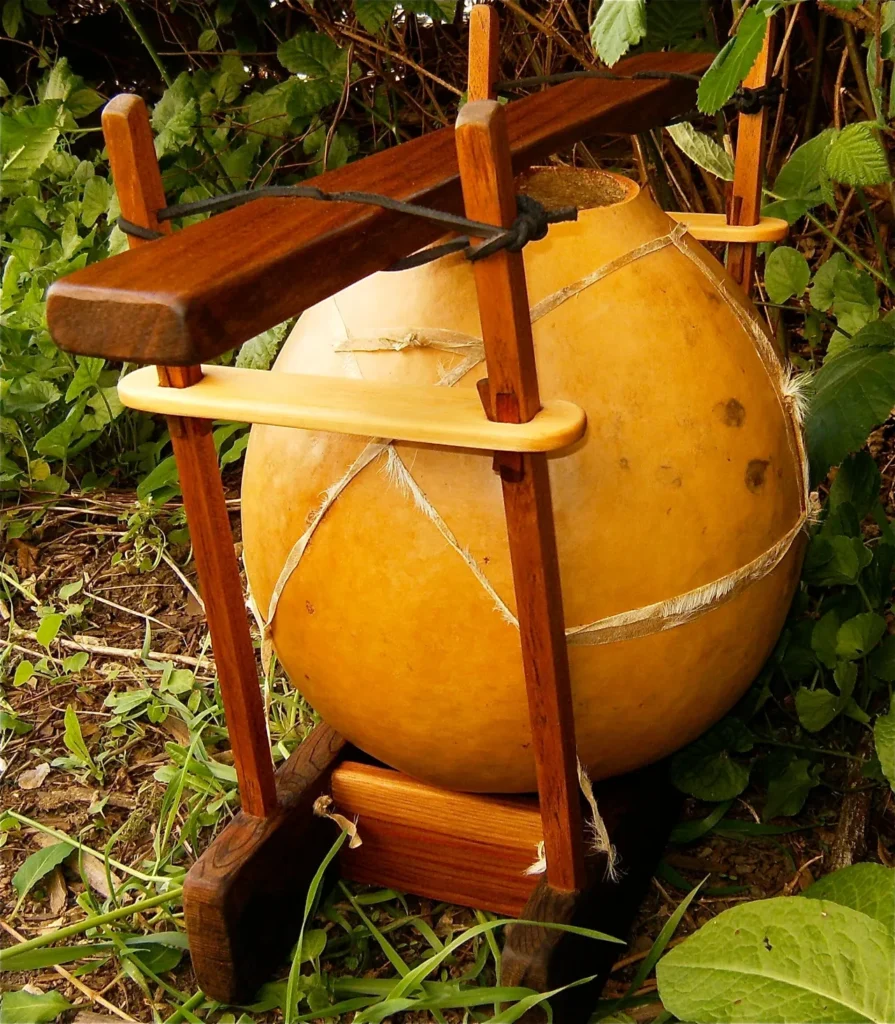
(373, 14)
(859, 635)
(787, 960)
(804, 176)
(28, 137)
(32, 1007)
(702, 150)
(857, 482)
(788, 791)
(857, 157)
(854, 392)
(734, 62)
(706, 770)
(884, 738)
(867, 888)
(619, 25)
(786, 273)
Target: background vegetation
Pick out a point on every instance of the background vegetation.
(246, 93)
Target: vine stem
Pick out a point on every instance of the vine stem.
(91, 922)
(837, 241)
(63, 838)
(810, 750)
(146, 41)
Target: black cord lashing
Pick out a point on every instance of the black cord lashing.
(750, 101)
(530, 224)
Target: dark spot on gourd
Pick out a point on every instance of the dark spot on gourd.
(309, 607)
(623, 463)
(755, 474)
(732, 413)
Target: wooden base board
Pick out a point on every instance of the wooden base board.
(460, 847)
(244, 897)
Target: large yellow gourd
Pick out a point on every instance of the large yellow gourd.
(677, 515)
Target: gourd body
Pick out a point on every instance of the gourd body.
(396, 622)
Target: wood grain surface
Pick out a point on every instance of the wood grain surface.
(244, 898)
(204, 290)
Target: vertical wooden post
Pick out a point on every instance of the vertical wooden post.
(745, 200)
(140, 193)
(484, 52)
(512, 397)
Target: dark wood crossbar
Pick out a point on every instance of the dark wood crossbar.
(199, 292)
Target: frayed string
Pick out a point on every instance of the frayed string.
(323, 808)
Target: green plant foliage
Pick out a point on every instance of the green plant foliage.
(702, 150)
(786, 273)
(618, 25)
(735, 60)
(856, 156)
(38, 866)
(32, 1007)
(884, 738)
(867, 888)
(792, 945)
(853, 393)
(706, 768)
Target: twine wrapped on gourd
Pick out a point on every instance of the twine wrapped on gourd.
(381, 570)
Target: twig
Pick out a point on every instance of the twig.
(94, 997)
(114, 652)
(126, 610)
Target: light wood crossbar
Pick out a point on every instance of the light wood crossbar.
(713, 227)
(425, 414)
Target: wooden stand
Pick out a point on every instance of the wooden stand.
(186, 298)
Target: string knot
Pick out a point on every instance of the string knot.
(530, 225)
(750, 101)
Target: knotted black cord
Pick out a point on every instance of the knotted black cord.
(532, 218)
(531, 221)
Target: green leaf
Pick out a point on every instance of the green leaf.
(38, 866)
(788, 791)
(803, 176)
(706, 770)
(867, 888)
(734, 61)
(854, 392)
(702, 150)
(832, 561)
(35, 959)
(32, 1008)
(208, 40)
(816, 708)
(75, 662)
(73, 739)
(229, 79)
(618, 25)
(855, 302)
(882, 661)
(82, 102)
(97, 195)
(258, 353)
(28, 136)
(786, 273)
(857, 482)
(786, 960)
(374, 14)
(857, 157)
(313, 55)
(164, 475)
(12, 17)
(313, 943)
(48, 628)
(859, 635)
(884, 738)
(877, 334)
(14, 724)
(24, 672)
(821, 294)
(823, 638)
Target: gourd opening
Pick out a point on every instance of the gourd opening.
(585, 188)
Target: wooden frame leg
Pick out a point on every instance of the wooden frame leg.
(745, 199)
(244, 898)
(487, 179)
(138, 181)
